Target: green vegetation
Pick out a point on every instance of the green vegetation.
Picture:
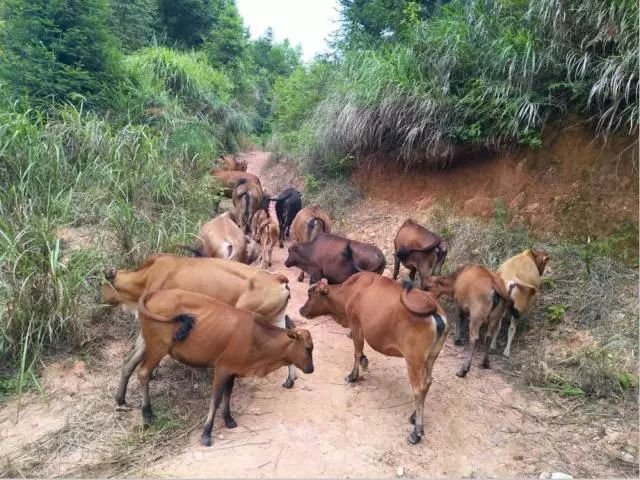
(111, 115)
(433, 79)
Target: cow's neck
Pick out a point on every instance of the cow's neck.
(271, 348)
(336, 302)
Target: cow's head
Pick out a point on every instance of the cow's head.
(300, 349)
(440, 285)
(293, 258)
(317, 303)
(541, 258)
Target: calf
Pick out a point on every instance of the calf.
(247, 199)
(222, 238)
(288, 204)
(258, 217)
(203, 332)
(334, 258)
(419, 250)
(309, 223)
(269, 233)
(233, 283)
(231, 162)
(521, 276)
(480, 296)
(394, 320)
(227, 180)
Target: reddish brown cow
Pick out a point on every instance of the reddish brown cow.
(334, 258)
(228, 180)
(419, 250)
(247, 200)
(481, 297)
(395, 320)
(200, 331)
(309, 223)
(231, 162)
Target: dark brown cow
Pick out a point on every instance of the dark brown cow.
(247, 199)
(334, 258)
(419, 250)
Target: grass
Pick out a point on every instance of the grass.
(85, 189)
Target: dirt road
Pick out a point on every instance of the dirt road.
(323, 427)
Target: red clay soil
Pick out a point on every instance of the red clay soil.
(575, 186)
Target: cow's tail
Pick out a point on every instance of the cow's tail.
(311, 225)
(402, 253)
(185, 320)
(500, 293)
(427, 310)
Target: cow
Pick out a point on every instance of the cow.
(288, 204)
(227, 180)
(222, 238)
(232, 162)
(395, 320)
(200, 331)
(334, 258)
(309, 223)
(260, 216)
(521, 276)
(419, 250)
(269, 232)
(480, 296)
(247, 199)
(233, 283)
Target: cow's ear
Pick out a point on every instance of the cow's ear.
(293, 334)
(323, 286)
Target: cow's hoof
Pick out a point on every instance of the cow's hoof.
(414, 438)
(485, 364)
(458, 341)
(412, 418)
(461, 373)
(147, 416)
(230, 423)
(206, 440)
(288, 383)
(351, 378)
(364, 362)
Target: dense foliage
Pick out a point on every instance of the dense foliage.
(432, 80)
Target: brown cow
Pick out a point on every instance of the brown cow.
(222, 238)
(258, 217)
(247, 199)
(227, 180)
(203, 332)
(481, 297)
(419, 250)
(334, 258)
(309, 223)
(233, 283)
(521, 276)
(269, 232)
(395, 320)
(232, 162)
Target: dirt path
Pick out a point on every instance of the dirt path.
(323, 427)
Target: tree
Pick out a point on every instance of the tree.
(133, 22)
(186, 23)
(227, 41)
(54, 48)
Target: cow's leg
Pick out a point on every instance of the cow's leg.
(396, 266)
(220, 379)
(461, 315)
(129, 365)
(151, 361)
(301, 276)
(358, 357)
(229, 422)
(492, 331)
(475, 321)
(417, 378)
(513, 326)
(412, 274)
(291, 376)
(270, 255)
(441, 253)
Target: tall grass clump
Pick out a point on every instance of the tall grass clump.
(83, 188)
(481, 74)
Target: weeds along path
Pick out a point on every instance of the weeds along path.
(323, 427)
